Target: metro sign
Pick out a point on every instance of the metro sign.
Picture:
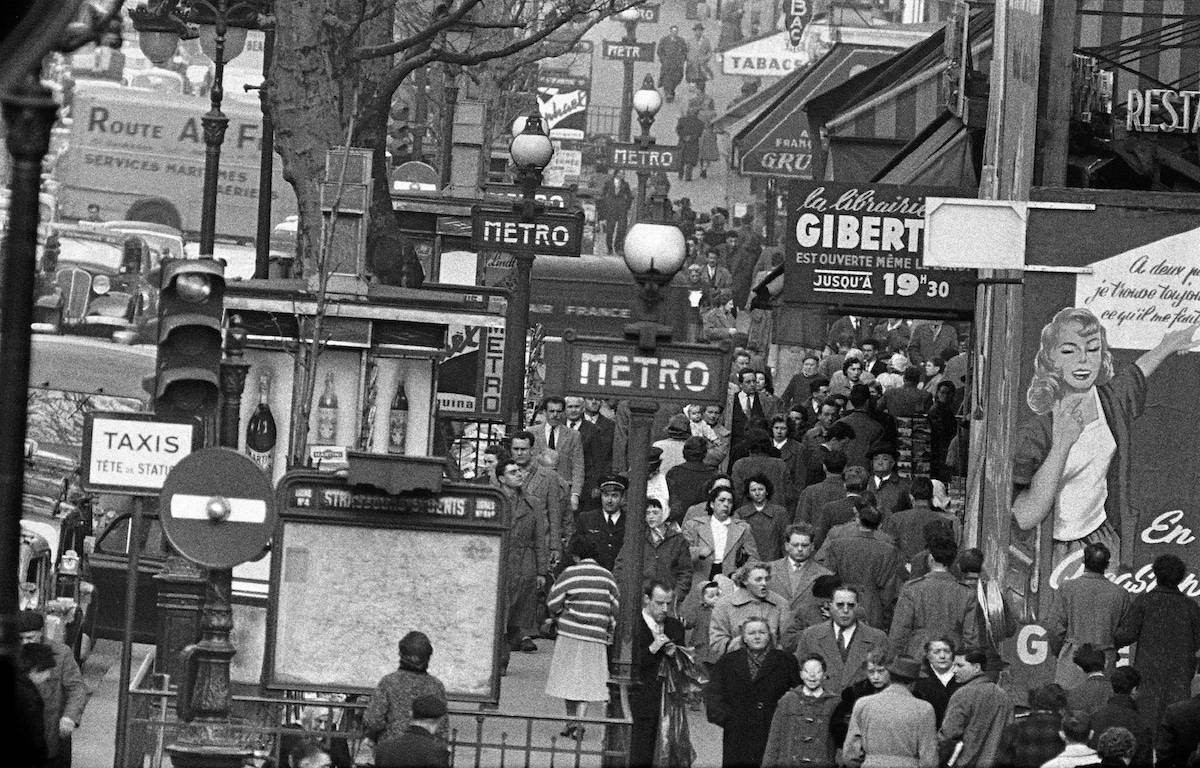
(551, 233)
(685, 373)
(634, 157)
(618, 51)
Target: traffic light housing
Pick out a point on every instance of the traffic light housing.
(400, 134)
(191, 303)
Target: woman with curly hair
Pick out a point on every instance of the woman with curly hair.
(1073, 459)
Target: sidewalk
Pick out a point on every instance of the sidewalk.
(94, 741)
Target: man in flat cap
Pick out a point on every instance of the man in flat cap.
(420, 746)
(64, 694)
(606, 526)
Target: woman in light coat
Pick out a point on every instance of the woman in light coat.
(739, 546)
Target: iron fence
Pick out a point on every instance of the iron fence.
(265, 725)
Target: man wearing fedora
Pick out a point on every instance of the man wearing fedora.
(891, 491)
(893, 727)
(59, 682)
(699, 54)
(420, 746)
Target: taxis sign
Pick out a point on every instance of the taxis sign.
(133, 453)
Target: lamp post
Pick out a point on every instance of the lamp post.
(223, 27)
(629, 17)
(646, 102)
(531, 150)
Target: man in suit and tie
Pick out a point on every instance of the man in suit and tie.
(589, 434)
(606, 526)
(848, 328)
(716, 281)
(568, 442)
(793, 574)
(843, 642)
(655, 635)
(747, 408)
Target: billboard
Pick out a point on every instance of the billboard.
(470, 376)
(860, 245)
(563, 103)
(1107, 417)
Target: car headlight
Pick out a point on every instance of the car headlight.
(101, 285)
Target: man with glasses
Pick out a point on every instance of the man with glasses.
(843, 641)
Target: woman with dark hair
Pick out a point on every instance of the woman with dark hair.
(719, 543)
(390, 711)
(746, 686)
(937, 682)
(800, 732)
(586, 599)
(767, 520)
(1072, 460)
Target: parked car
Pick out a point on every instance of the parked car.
(96, 281)
(54, 580)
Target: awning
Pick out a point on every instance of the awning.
(749, 108)
(888, 105)
(776, 143)
(945, 154)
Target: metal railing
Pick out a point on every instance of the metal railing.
(479, 736)
(603, 121)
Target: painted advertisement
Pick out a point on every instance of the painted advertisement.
(563, 103)
(1107, 418)
(470, 375)
(860, 245)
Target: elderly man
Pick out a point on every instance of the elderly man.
(60, 684)
(752, 598)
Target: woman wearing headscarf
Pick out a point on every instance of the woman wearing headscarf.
(390, 711)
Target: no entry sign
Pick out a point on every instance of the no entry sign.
(217, 508)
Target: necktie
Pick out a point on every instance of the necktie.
(551, 442)
(841, 639)
(574, 425)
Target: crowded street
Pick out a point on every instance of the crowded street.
(621, 384)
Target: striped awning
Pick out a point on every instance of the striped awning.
(1147, 43)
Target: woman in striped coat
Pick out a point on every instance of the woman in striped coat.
(585, 597)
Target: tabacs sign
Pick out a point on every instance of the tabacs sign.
(771, 56)
(799, 13)
(860, 245)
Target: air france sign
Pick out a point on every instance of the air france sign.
(677, 372)
(551, 233)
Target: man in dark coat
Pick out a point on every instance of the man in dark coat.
(615, 200)
(598, 454)
(868, 560)
(607, 524)
(672, 56)
(932, 606)
(759, 462)
(419, 746)
(688, 129)
(1179, 733)
(819, 494)
(867, 431)
(891, 491)
(527, 561)
(854, 480)
(1121, 711)
(1165, 624)
(60, 684)
(687, 481)
(655, 636)
(1033, 738)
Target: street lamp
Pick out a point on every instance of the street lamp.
(629, 17)
(223, 25)
(531, 151)
(646, 102)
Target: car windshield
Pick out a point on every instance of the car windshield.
(80, 251)
(160, 245)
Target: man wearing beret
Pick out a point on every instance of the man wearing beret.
(64, 694)
(419, 746)
(606, 526)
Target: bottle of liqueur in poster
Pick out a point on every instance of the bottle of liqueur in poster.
(261, 433)
(327, 414)
(398, 420)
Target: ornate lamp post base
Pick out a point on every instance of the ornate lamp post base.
(207, 745)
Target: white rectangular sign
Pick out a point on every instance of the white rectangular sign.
(132, 455)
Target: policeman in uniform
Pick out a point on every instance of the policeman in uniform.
(606, 526)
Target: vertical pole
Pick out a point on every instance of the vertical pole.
(214, 123)
(1007, 175)
(29, 113)
(447, 147)
(626, 125)
(266, 169)
(420, 114)
(516, 332)
(1054, 121)
(640, 425)
(137, 540)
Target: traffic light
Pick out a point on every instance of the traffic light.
(189, 337)
(400, 134)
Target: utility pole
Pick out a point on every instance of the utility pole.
(1007, 174)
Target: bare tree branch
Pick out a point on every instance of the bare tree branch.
(423, 35)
